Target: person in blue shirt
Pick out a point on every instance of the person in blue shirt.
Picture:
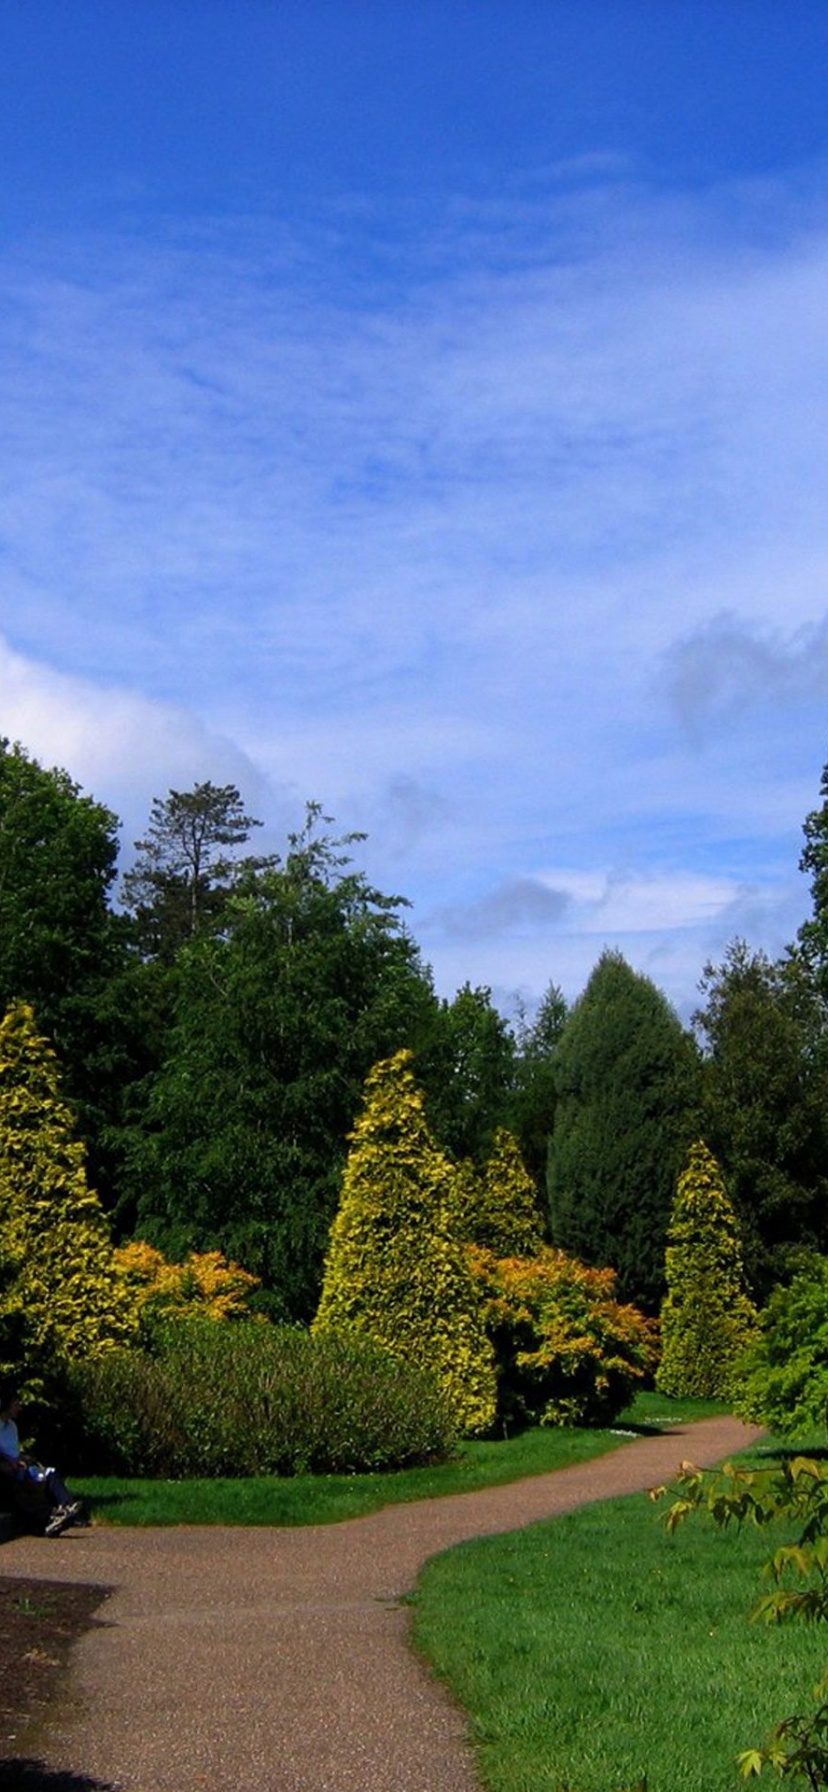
(36, 1492)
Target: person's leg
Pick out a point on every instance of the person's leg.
(31, 1500)
(56, 1488)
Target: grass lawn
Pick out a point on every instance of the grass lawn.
(592, 1650)
(325, 1499)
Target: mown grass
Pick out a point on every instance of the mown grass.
(593, 1650)
(326, 1499)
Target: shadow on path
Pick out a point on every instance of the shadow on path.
(19, 1775)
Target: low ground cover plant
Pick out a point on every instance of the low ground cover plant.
(252, 1399)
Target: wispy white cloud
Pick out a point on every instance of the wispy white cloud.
(505, 548)
(121, 747)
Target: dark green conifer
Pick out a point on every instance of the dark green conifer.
(627, 1081)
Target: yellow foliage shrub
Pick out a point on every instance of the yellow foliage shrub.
(204, 1286)
(568, 1352)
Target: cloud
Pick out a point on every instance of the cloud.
(523, 903)
(445, 525)
(666, 925)
(610, 904)
(732, 665)
(118, 745)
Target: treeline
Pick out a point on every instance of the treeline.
(215, 1015)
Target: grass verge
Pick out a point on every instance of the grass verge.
(592, 1650)
(326, 1499)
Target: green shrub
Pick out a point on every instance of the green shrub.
(61, 1294)
(255, 1399)
(786, 1371)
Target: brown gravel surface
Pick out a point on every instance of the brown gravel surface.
(276, 1660)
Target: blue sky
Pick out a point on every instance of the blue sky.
(422, 408)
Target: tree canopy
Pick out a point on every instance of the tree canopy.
(187, 862)
(626, 1075)
(813, 935)
(465, 1065)
(765, 1103)
(62, 949)
(276, 1024)
(213, 1036)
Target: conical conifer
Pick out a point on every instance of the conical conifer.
(498, 1209)
(61, 1294)
(707, 1319)
(396, 1270)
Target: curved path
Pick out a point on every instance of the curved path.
(276, 1660)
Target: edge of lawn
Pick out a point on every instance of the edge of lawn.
(329, 1499)
(584, 1648)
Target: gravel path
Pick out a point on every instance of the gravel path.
(276, 1660)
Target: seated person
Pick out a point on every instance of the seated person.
(35, 1492)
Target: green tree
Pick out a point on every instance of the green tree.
(627, 1084)
(765, 1103)
(707, 1320)
(534, 1095)
(277, 1022)
(186, 864)
(58, 850)
(813, 935)
(62, 1295)
(785, 1382)
(396, 1271)
(465, 1066)
(61, 947)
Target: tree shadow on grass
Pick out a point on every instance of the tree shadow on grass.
(789, 1452)
(25, 1775)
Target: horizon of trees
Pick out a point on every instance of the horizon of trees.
(216, 1015)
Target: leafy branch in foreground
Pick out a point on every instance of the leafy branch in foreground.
(796, 1493)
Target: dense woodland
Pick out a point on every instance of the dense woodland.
(215, 1015)
(212, 1020)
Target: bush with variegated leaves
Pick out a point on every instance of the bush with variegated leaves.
(568, 1352)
